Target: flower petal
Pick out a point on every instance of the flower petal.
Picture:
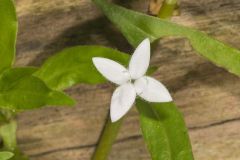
(111, 70)
(122, 100)
(152, 90)
(140, 60)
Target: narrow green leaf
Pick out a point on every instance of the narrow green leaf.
(136, 26)
(5, 155)
(164, 131)
(20, 90)
(8, 33)
(74, 65)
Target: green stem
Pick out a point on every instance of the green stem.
(167, 9)
(8, 129)
(106, 140)
(8, 135)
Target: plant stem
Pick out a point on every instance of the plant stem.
(8, 129)
(106, 140)
(167, 9)
(8, 135)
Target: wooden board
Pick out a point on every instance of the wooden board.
(208, 96)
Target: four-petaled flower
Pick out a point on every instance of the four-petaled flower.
(132, 81)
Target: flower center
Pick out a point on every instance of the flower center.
(127, 74)
(141, 85)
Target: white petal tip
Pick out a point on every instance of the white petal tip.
(168, 99)
(96, 59)
(114, 118)
(147, 40)
(162, 100)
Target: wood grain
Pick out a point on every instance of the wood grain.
(208, 96)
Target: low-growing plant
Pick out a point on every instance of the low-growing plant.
(162, 125)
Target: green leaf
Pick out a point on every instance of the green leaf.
(8, 33)
(5, 155)
(20, 90)
(164, 131)
(136, 26)
(74, 65)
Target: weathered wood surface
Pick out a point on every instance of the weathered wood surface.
(208, 96)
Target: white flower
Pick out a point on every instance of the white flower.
(132, 81)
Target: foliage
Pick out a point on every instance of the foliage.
(23, 88)
(74, 65)
(5, 155)
(20, 90)
(164, 131)
(137, 26)
(8, 32)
